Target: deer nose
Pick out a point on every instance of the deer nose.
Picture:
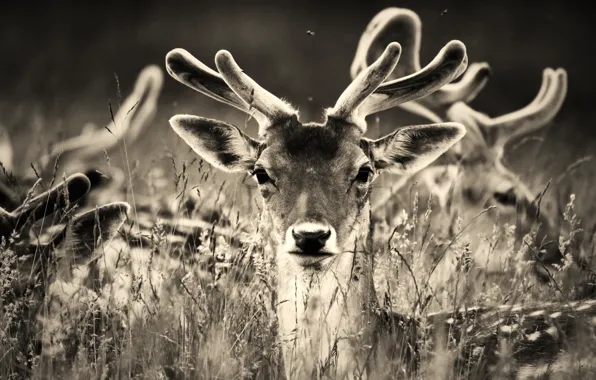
(311, 240)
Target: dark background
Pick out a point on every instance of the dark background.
(59, 60)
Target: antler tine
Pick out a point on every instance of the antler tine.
(6, 150)
(147, 89)
(537, 114)
(546, 82)
(391, 24)
(255, 96)
(188, 70)
(471, 83)
(348, 103)
(133, 114)
(446, 67)
(460, 112)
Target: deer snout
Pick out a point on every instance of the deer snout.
(311, 238)
(311, 241)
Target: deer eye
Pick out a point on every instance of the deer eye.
(364, 174)
(506, 198)
(261, 175)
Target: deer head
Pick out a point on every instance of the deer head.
(315, 181)
(472, 176)
(136, 111)
(77, 153)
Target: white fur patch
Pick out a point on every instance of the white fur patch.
(585, 306)
(534, 336)
(537, 313)
(552, 331)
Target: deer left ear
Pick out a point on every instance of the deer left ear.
(411, 149)
(222, 145)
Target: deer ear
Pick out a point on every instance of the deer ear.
(56, 199)
(222, 145)
(86, 232)
(411, 149)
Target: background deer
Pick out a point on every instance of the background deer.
(472, 176)
(80, 153)
(30, 266)
(158, 247)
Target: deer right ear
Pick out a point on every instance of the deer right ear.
(411, 149)
(222, 145)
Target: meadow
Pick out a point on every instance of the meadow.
(185, 289)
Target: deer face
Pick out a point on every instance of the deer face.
(314, 178)
(482, 184)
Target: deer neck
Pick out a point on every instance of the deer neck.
(326, 315)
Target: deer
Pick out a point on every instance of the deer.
(315, 184)
(473, 176)
(135, 277)
(316, 239)
(30, 266)
(81, 153)
(106, 283)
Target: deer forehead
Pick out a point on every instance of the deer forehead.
(494, 177)
(313, 149)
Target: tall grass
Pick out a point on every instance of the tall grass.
(202, 307)
(212, 316)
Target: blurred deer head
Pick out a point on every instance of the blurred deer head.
(81, 153)
(472, 176)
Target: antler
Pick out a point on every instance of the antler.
(6, 151)
(366, 95)
(233, 87)
(230, 86)
(404, 25)
(542, 110)
(449, 102)
(348, 103)
(135, 113)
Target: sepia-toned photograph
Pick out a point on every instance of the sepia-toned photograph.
(297, 190)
